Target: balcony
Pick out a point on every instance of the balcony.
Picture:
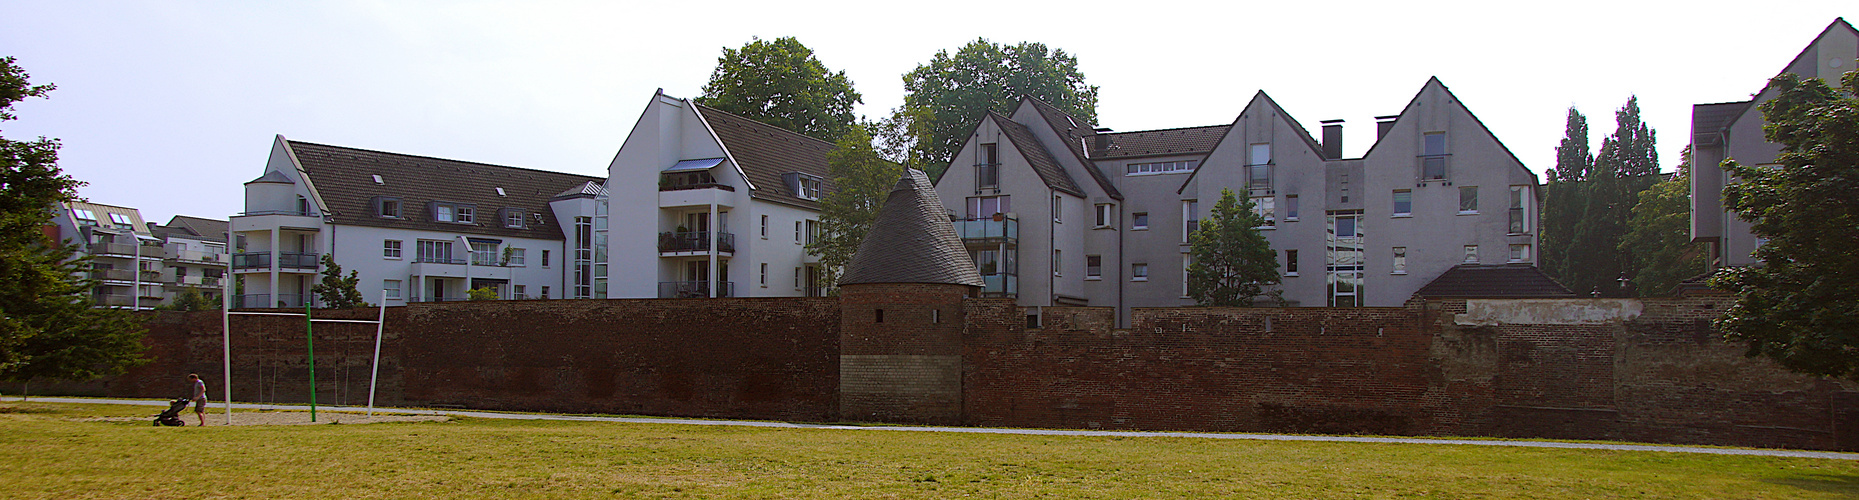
(693, 289)
(436, 299)
(197, 281)
(988, 230)
(445, 266)
(286, 260)
(115, 299)
(1000, 285)
(265, 300)
(694, 242)
(272, 220)
(124, 275)
(197, 256)
(125, 250)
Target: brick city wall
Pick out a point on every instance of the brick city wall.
(737, 358)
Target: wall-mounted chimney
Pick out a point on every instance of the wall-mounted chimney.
(1332, 139)
(1383, 124)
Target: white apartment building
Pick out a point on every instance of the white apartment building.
(414, 228)
(1056, 212)
(1733, 131)
(194, 256)
(704, 203)
(126, 258)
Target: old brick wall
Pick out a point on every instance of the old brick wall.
(736, 358)
(1363, 370)
(901, 352)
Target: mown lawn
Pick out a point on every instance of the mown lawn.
(48, 451)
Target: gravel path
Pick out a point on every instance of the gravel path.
(218, 417)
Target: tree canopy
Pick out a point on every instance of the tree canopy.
(1232, 261)
(1589, 204)
(861, 180)
(780, 83)
(944, 98)
(49, 325)
(1800, 306)
(1659, 235)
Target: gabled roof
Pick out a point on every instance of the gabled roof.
(1259, 99)
(1073, 132)
(1709, 119)
(1506, 281)
(1036, 155)
(1164, 142)
(589, 189)
(1432, 81)
(102, 213)
(206, 229)
(345, 179)
(912, 241)
(764, 152)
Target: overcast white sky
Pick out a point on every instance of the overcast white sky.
(170, 106)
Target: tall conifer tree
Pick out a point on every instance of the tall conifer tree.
(1561, 204)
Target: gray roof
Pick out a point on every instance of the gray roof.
(912, 241)
(1504, 281)
(765, 152)
(1036, 155)
(344, 177)
(1174, 141)
(272, 177)
(183, 225)
(1074, 133)
(589, 189)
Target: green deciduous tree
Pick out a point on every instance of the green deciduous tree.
(337, 291)
(1800, 307)
(50, 326)
(1591, 211)
(780, 83)
(946, 97)
(1233, 263)
(861, 179)
(1659, 235)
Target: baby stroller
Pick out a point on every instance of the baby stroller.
(172, 417)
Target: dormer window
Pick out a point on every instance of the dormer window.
(387, 207)
(805, 186)
(84, 217)
(512, 218)
(453, 212)
(122, 221)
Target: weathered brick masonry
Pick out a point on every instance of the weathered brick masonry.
(1640, 370)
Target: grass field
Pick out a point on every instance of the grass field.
(50, 451)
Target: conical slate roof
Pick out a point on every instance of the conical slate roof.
(912, 241)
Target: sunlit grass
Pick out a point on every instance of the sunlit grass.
(48, 451)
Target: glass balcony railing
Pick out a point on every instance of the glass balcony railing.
(1000, 285)
(987, 229)
(695, 241)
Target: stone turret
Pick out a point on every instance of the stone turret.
(901, 316)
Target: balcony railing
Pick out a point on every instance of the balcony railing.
(299, 213)
(439, 259)
(115, 249)
(1000, 285)
(113, 274)
(695, 241)
(988, 229)
(204, 281)
(437, 299)
(701, 185)
(297, 260)
(1433, 167)
(197, 256)
(115, 299)
(693, 289)
(251, 260)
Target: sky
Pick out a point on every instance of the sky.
(170, 106)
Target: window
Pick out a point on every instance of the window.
(545, 258)
(84, 217)
(435, 251)
(1187, 274)
(545, 292)
(392, 287)
(1190, 218)
(1471, 254)
(987, 262)
(1468, 199)
(1290, 207)
(512, 218)
(809, 187)
(982, 207)
(388, 208)
(465, 214)
(122, 221)
(1403, 202)
(1258, 167)
(1516, 210)
(1400, 260)
(1263, 206)
(1519, 253)
(797, 239)
(1290, 262)
(516, 257)
(520, 291)
(1105, 214)
(303, 205)
(987, 167)
(1093, 267)
(442, 213)
(1058, 209)
(1433, 156)
(1166, 167)
(582, 279)
(1057, 263)
(813, 231)
(390, 249)
(483, 253)
(796, 278)
(764, 227)
(1139, 220)
(764, 276)
(1139, 272)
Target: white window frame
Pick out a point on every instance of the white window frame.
(1188, 207)
(764, 275)
(1520, 252)
(1462, 192)
(764, 227)
(1058, 209)
(1141, 224)
(1400, 261)
(519, 257)
(1291, 262)
(1106, 215)
(1093, 276)
(1058, 262)
(1266, 207)
(392, 249)
(1471, 254)
(1394, 203)
(1291, 208)
(392, 289)
(1139, 271)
